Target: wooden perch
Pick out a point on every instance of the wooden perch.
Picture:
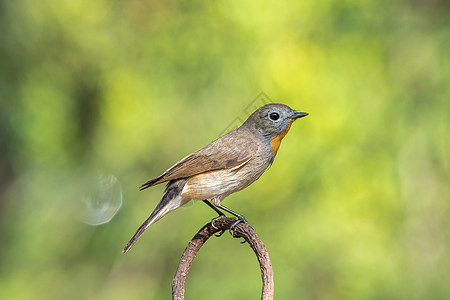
(240, 230)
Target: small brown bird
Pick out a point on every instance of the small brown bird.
(225, 166)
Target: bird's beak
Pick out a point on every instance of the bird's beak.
(298, 115)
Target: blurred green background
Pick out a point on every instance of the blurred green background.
(356, 205)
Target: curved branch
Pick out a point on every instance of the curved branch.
(240, 230)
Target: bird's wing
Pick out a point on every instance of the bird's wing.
(227, 152)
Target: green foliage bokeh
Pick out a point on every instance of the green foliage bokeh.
(356, 205)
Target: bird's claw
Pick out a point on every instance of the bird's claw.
(234, 224)
(215, 227)
(239, 220)
(231, 229)
(213, 220)
(220, 233)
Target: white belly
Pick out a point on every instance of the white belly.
(213, 184)
(218, 184)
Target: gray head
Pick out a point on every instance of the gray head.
(273, 120)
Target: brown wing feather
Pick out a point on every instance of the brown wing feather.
(227, 152)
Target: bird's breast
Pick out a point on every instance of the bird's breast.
(276, 140)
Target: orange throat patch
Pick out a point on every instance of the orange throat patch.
(276, 140)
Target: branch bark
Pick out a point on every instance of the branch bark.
(240, 230)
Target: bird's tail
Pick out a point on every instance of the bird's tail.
(171, 201)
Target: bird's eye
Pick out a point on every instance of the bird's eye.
(274, 116)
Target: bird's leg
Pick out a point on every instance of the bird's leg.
(221, 214)
(240, 218)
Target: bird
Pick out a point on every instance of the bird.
(225, 166)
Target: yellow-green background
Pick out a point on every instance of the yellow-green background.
(356, 205)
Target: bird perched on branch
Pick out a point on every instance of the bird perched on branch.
(225, 166)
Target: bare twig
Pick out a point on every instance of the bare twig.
(240, 230)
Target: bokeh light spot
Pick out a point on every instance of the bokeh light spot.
(101, 203)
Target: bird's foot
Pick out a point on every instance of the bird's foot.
(215, 219)
(220, 233)
(240, 219)
(214, 226)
